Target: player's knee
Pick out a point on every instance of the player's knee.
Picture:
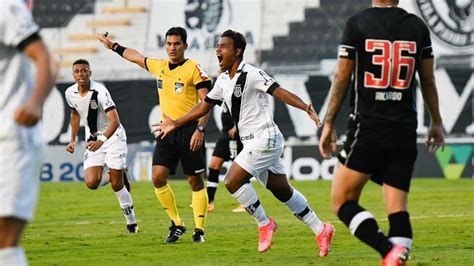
(92, 183)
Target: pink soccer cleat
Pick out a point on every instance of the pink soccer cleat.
(265, 234)
(324, 239)
(397, 256)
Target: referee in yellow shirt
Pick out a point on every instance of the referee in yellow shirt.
(181, 83)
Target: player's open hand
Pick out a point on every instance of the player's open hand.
(313, 115)
(435, 138)
(167, 126)
(327, 143)
(102, 37)
(233, 133)
(28, 115)
(94, 145)
(156, 129)
(71, 146)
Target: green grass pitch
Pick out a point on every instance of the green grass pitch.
(77, 226)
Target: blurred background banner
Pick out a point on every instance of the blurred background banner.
(295, 41)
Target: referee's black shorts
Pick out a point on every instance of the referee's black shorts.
(175, 147)
(389, 163)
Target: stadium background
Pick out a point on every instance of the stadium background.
(295, 41)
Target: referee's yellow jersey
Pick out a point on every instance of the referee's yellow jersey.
(177, 88)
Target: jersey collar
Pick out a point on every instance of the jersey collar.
(241, 66)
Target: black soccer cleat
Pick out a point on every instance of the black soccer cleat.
(132, 228)
(176, 231)
(126, 183)
(198, 236)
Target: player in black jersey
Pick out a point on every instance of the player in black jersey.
(381, 50)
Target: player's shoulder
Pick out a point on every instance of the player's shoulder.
(98, 86)
(71, 89)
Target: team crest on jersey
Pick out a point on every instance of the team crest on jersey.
(93, 104)
(159, 84)
(178, 87)
(238, 90)
(450, 20)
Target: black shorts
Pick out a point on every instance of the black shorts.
(222, 149)
(370, 150)
(175, 147)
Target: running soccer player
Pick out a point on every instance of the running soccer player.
(245, 90)
(105, 158)
(382, 48)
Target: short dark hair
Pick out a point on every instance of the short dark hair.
(81, 62)
(238, 38)
(178, 31)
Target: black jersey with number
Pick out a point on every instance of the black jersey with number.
(387, 45)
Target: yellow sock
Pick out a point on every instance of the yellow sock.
(165, 196)
(200, 208)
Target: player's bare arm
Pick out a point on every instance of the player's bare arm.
(435, 137)
(169, 125)
(30, 113)
(291, 99)
(74, 122)
(197, 139)
(339, 88)
(114, 122)
(130, 54)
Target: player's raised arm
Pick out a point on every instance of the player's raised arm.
(295, 101)
(130, 54)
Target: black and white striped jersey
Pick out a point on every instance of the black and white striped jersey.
(246, 95)
(17, 30)
(92, 107)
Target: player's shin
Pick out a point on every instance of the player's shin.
(199, 203)
(247, 196)
(299, 206)
(126, 203)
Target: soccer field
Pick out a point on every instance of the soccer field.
(77, 226)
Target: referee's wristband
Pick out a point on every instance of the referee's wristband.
(102, 138)
(116, 47)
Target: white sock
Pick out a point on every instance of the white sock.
(105, 177)
(401, 241)
(299, 206)
(126, 203)
(247, 196)
(14, 256)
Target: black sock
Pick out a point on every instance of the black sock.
(400, 225)
(365, 227)
(213, 180)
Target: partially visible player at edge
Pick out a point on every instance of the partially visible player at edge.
(105, 158)
(21, 136)
(245, 90)
(181, 83)
(382, 48)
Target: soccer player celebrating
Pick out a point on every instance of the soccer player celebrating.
(21, 139)
(106, 153)
(245, 90)
(382, 48)
(181, 83)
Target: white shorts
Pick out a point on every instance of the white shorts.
(262, 155)
(20, 163)
(112, 153)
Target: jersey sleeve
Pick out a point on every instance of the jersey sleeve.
(16, 23)
(426, 48)
(105, 100)
(66, 94)
(262, 81)
(153, 65)
(200, 78)
(347, 48)
(216, 95)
